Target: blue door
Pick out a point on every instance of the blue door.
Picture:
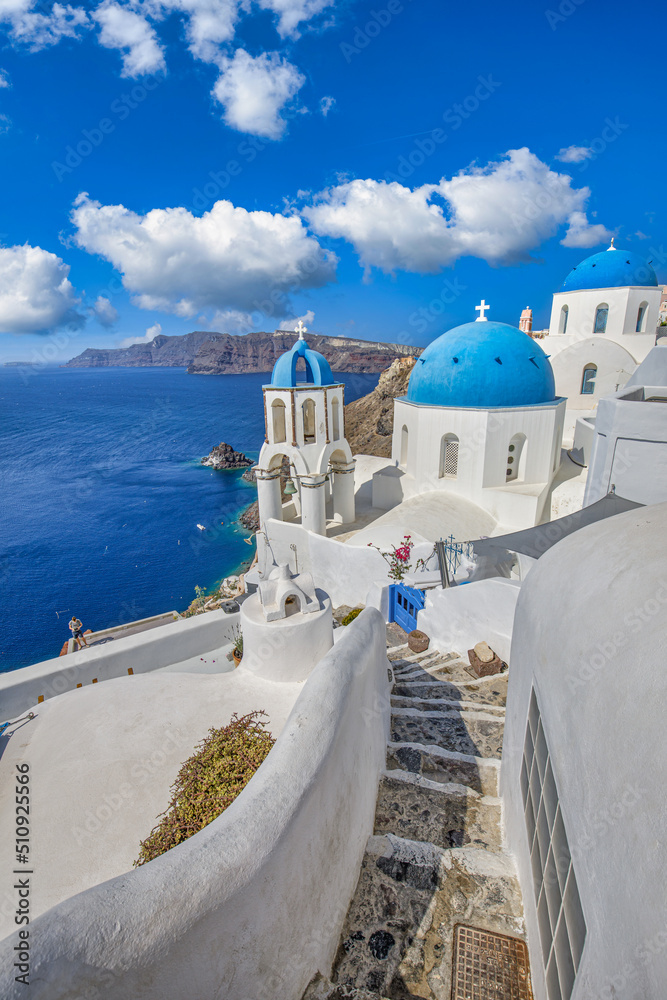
(404, 605)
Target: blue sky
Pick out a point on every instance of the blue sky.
(377, 168)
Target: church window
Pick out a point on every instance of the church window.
(308, 410)
(559, 912)
(278, 419)
(449, 457)
(588, 380)
(601, 314)
(404, 446)
(335, 417)
(516, 458)
(641, 317)
(562, 325)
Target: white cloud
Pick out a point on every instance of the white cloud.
(574, 154)
(37, 30)
(35, 292)
(105, 314)
(5, 124)
(292, 12)
(151, 333)
(229, 258)
(582, 234)
(254, 91)
(132, 35)
(326, 104)
(209, 24)
(497, 213)
(4, 79)
(307, 319)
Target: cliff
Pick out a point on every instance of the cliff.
(369, 421)
(230, 354)
(163, 351)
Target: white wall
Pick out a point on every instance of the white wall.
(459, 617)
(629, 448)
(614, 364)
(252, 906)
(589, 635)
(346, 573)
(484, 439)
(621, 321)
(158, 647)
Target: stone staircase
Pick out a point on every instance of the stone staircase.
(436, 858)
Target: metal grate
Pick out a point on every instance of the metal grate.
(451, 458)
(489, 966)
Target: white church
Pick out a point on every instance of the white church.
(421, 828)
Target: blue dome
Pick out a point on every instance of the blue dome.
(482, 365)
(318, 371)
(613, 268)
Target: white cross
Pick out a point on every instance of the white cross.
(481, 309)
(300, 329)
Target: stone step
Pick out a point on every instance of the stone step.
(477, 733)
(445, 766)
(323, 989)
(489, 690)
(426, 703)
(456, 671)
(398, 935)
(445, 814)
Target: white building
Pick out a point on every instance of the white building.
(603, 323)
(629, 450)
(481, 420)
(305, 423)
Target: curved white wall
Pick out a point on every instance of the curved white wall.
(252, 906)
(614, 365)
(589, 635)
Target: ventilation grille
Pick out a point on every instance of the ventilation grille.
(559, 913)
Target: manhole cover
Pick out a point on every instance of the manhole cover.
(489, 966)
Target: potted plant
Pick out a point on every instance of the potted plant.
(237, 651)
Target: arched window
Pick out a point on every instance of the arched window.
(588, 380)
(641, 318)
(404, 446)
(278, 420)
(516, 458)
(601, 314)
(562, 325)
(449, 457)
(308, 409)
(335, 417)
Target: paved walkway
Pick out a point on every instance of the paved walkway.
(436, 856)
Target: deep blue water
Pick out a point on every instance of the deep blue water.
(100, 481)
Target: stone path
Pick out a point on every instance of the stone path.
(436, 857)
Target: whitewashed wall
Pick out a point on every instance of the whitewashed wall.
(482, 611)
(614, 364)
(251, 907)
(150, 650)
(621, 321)
(589, 635)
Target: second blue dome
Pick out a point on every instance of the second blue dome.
(482, 365)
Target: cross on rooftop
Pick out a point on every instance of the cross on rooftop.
(300, 329)
(481, 309)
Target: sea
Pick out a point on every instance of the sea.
(102, 489)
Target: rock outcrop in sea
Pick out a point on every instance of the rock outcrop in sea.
(223, 456)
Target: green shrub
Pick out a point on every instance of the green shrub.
(351, 615)
(219, 769)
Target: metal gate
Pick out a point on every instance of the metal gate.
(404, 605)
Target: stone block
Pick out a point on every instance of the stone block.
(418, 641)
(483, 661)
